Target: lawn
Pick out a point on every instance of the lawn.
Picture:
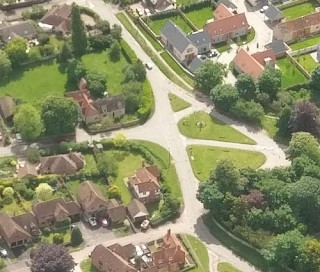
(269, 124)
(49, 238)
(199, 17)
(35, 83)
(290, 73)
(177, 103)
(204, 158)
(226, 267)
(186, 2)
(91, 165)
(86, 266)
(222, 47)
(213, 129)
(299, 10)
(100, 62)
(247, 38)
(157, 25)
(176, 67)
(198, 251)
(307, 62)
(305, 43)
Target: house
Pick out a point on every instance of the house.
(23, 29)
(299, 28)
(195, 64)
(226, 25)
(57, 20)
(63, 164)
(137, 211)
(177, 43)
(201, 40)
(27, 170)
(254, 64)
(273, 14)
(105, 260)
(48, 213)
(144, 184)
(278, 47)
(111, 106)
(7, 107)
(228, 4)
(171, 255)
(126, 252)
(91, 200)
(116, 212)
(159, 5)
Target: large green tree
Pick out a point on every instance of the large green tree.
(78, 32)
(308, 258)
(65, 52)
(59, 114)
(283, 123)
(224, 96)
(209, 75)
(132, 96)
(269, 82)
(249, 111)
(115, 51)
(315, 79)
(16, 50)
(246, 86)
(5, 66)
(27, 121)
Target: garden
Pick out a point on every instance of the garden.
(222, 47)
(199, 17)
(307, 62)
(205, 158)
(300, 9)
(201, 125)
(305, 43)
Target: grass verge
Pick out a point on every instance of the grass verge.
(222, 47)
(177, 103)
(203, 159)
(213, 129)
(226, 267)
(154, 43)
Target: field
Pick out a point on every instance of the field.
(199, 17)
(290, 73)
(300, 10)
(177, 103)
(204, 158)
(157, 25)
(305, 43)
(307, 62)
(213, 129)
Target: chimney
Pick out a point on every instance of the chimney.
(143, 163)
(169, 232)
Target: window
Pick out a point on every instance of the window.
(189, 50)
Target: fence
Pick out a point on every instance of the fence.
(292, 4)
(303, 51)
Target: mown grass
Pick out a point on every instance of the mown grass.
(158, 24)
(199, 17)
(305, 43)
(177, 103)
(307, 62)
(227, 267)
(300, 10)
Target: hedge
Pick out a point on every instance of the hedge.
(197, 6)
(164, 15)
(89, 12)
(147, 103)
(127, 52)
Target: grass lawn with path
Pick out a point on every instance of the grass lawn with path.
(299, 10)
(213, 130)
(199, 17)
(291, 75)
(305, 43)
(177, 103)
(307, 62)
(157, 25)
(227, 267)
(203, 159)
(198, 251)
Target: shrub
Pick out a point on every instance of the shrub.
(114, 192)
(147, 102)
(65, 147)
(2, 264)
(63, 224)
(8, 192)
(46, 231)
(100, 42)
(248, 111)
(36, 13)
(33, 155)
(164, 15)
(76, 237)
(28, 194)
(57, 238)
(43, 38)
(127, 52)
(7, 200)
(196, 6)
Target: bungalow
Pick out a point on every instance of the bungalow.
(299, 28)
(137, 211)
(144, 184)
(23, 29)
(254, 64)
(226, 25)
(7, 107)
(48, 213)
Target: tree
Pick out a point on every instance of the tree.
(305, 117)
(308, 258)
(104, 26)
(8, 192)
(116, 32)
(107, 165)
(249, 111)
(114, 192)
(315, 79)
(209, 75)
(246, 86)
(132, 96)
(76, 237)
(44, 191)
(65, 52)
(16, 51)
(283, 123)
(57, 238)
(43, 38)
(28, 122)
(119, 140)
(75, 71)
(51, 258)
(224, 96)
(270, 82)
(115, 50)
(170, 207)
(33, 155)
(78, 32)
(136, 72)
(5, 67)
(211, 197)
(97, 84)
(59, 114)
(100, 42)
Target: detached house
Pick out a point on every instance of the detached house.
(299, 28)
(23, 29)
(226, 25)
(144, 184)
(254, 64)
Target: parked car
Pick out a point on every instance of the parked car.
(147, 12)
(3, 253)
(264, 8)
(139, 11)
(18, 138)
(1, 137)
(145, 225)
(92, 221)
(104, 222)
(149, 65)
(212, 53)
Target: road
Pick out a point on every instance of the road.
(162, 129)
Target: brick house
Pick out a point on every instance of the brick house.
(48, 213)
(226, 25)
(144, 184)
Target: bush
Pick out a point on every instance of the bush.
(33, 155)
(63, 224)
(43, 38)
(65, 147)
(36, 13)
(76, 237)
(127, 52)
(7, 200)
(196, 6)
(57, 238)
(100, 42)
(114, 192)
(46, 231)
(28, 194)
(248, 111)
(147, 102)
(2, 264)
(164, 15)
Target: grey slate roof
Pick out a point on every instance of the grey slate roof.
(23, 29)
(175, 36)
(277, 46)
(195, 64)
(273, 13)
(199, 38)
(227, 3)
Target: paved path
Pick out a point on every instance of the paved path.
(162, 129)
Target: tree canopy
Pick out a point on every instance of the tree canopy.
(246, 86)
(44, 191)
(224, 96)
(5, 66)
(16, 49)
(78, 32)
(269, 82)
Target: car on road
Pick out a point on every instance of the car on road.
(92, 221)
(145, 225)
(147, 12)
(149, 65)
(104, 222)
(139, 11)
(212, 53)
(3, 253)
(264, 8)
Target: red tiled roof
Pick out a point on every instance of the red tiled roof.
(261, 56)
(146, 179)
(222, 12)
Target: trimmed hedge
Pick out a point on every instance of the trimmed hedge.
(147, 103)
(127, 52)
(197, 6)
(89, 12)
(164, 15)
